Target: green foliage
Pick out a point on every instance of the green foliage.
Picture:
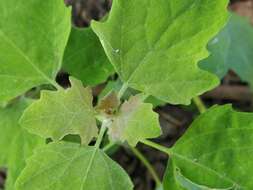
(232, 49)
(154, 47)
(215, 152)
(16, 145)
(171, 45)
(62, 112)
(84, 57)
(33, 35)
(72, 167)
(186, 184)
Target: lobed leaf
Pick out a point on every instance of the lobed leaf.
(63, 112)
(135, 121)
(216, 152)
(159, 56)
(85, 59)
(33, 35)
(65, 166)
(232, 49)
(16, 145)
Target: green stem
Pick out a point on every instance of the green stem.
(200, 104)
(108, 146)
(144, 97)
(146, 163)
(56, 85)
(122, 90)
(51, 81)
(157, 146)
(101, 135)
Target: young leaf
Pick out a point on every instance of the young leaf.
(65, 166)
(84, 57)
(33, 35)
(109, 103)
(159, 56)
(62, 112)
(16, 145)
(134, 122)
(216, 152)
(232, 49)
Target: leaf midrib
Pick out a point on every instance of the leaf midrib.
(89, 167)
(154, 45)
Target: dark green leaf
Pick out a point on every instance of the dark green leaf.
(216, 152)
(16, 145)
(232, 49)
(85, 59)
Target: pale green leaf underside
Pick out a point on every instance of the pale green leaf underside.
(159, 56)
(232, 49)
(62, 112)
(16, 145)
(66, 166)
(216, 151)
(135, 121)
(85, 59)
(33, 35)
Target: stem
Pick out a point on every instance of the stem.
(101, 135)
(51, 81)
(56, 85)
(122, 90)
(146, 163)
(108, 146)
(200, 104)
(144, 97)
(157, 147)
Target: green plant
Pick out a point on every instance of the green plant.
(154, 47)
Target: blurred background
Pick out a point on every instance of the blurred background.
(174, 119)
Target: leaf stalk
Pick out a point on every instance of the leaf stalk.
(147, 164)
(200, 104)
(157, 146)
(101, 134)
(122, 90)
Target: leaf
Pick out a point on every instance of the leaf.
(155, 102)
(63, 112)
(3, 104)
(84, 57)
(135, 121)
(16, 145)
(116, 86)
(232, 49)
(109, 104)
(110, 86)
(33, 35)
(215, 152)
(182, 182)
(159, 56)
(159, 188)
(65, 166)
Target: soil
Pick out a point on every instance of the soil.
(174, 119)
